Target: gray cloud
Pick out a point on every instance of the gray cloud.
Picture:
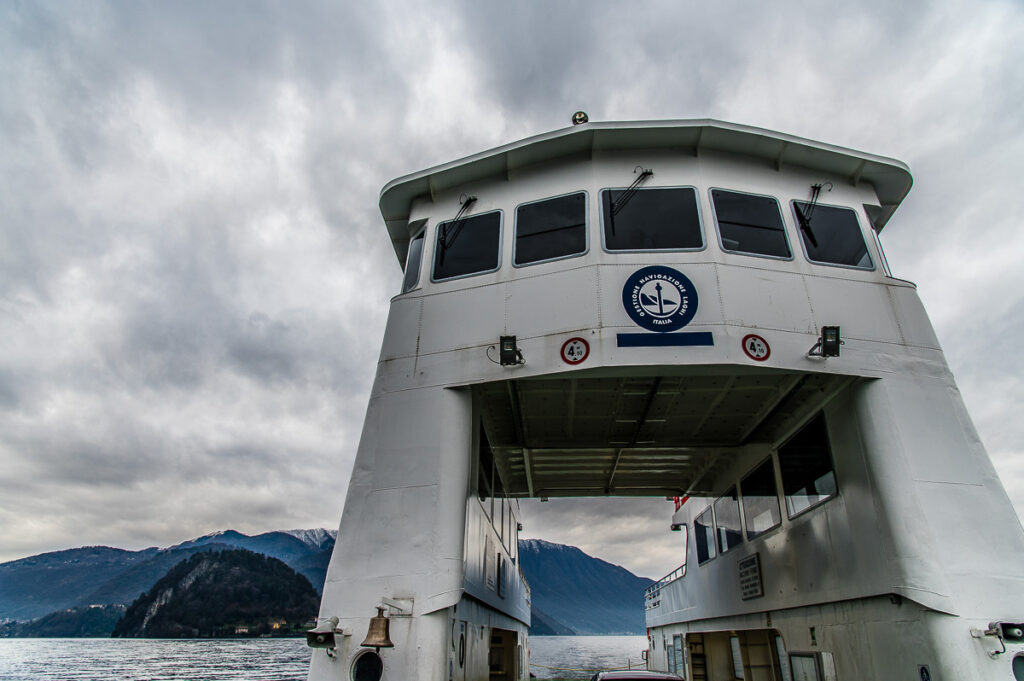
(194, 276)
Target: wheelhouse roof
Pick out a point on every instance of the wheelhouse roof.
(890, 178)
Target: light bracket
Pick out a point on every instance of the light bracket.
(828, 343)
(509, 353)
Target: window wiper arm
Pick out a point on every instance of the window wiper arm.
(625, 197)
(805, 226)
(450, 230)
(619, 203)
(805, 220)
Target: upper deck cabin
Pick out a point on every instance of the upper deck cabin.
(664, 247)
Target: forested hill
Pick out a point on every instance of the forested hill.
(222, 593)
(99, 575)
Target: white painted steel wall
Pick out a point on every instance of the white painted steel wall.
(920, 511)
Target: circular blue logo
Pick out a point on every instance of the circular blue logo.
(659, 298)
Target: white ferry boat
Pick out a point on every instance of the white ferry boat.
(686, 309)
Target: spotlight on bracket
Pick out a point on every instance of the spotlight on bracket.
(828, 343)
(676, 527)
(580, 117)
(509, 353)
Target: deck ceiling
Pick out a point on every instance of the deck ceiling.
(638, 436)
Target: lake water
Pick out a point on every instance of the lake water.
(95, 659)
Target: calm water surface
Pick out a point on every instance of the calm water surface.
(95, 659)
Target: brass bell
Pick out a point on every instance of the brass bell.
(378, 634)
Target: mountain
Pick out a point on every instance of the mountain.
(34, 586)
(222, 593)
(572, 593)
(281, 545)
(586, 595)
(93, 621)
(318, 538)
(38, 585)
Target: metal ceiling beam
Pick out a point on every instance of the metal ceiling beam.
(517, 423)
(782, 392)
(572, 407)
(714, 404)
(641, 421)
(712, 460)
(528, 467)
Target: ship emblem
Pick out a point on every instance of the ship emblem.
(659, 298)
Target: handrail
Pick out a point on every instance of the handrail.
(652, 592)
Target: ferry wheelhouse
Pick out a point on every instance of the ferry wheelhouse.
(686, 309)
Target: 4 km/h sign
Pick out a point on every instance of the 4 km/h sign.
(756, 347)
(575, 350)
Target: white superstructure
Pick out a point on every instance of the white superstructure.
(656, 309)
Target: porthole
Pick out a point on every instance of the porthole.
(367, 667)
(1018, 668)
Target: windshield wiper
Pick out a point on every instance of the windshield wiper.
(450, 230)
(805, 219)
(805, 225)
(625, 197)
(617, 204)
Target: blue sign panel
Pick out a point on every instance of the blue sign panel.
(662, 300)
(659, 298)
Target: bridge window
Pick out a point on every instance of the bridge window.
(761, 500)
(806, 466)
(661, 218)
(704, 536)
(831, 235)
(551, 229)
(468, 246)
(750, 224)
(727, 520)
(412, 263)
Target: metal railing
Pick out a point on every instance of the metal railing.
(652, 595)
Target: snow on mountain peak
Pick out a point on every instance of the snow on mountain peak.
(317, 537)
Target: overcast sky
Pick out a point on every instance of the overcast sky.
(194, 275)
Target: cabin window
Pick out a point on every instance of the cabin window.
(704, 536)
(881, 252)
(806, 466)
(468, 246)
(685, 542)
(551, 229)
(804, 667)
(412, 263)
(831, 235)
(750, 224)
(761, 500)
(655, 219)
(727, 520)
(780, 651)
(737, 657)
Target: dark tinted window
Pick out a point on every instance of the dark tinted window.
(760, 500)
(806, 466)
(727, 519)
(750, 224)
(831, 235)
(412, 263)
(553, 228)
(467, 246)
(650, 219)
(704, 536)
